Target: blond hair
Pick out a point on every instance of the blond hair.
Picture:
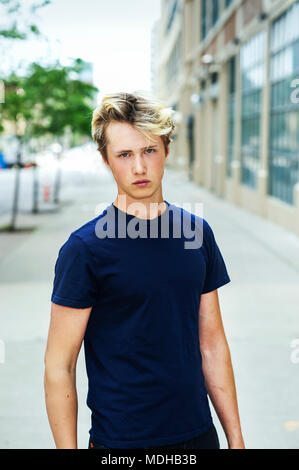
(145, 112)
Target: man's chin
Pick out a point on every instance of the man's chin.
(140, 193)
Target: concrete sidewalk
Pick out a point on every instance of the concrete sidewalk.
(259, 309)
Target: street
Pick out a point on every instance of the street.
(259, 307)
(45, 174)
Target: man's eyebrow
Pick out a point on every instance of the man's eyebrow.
(143, 148)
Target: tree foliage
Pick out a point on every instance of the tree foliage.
(48, 100)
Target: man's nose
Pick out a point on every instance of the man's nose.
(139, 165)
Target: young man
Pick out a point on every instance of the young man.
(145, 303)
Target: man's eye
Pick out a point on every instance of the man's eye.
(153, 150)
(125, 153)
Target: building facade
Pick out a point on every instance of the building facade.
(230, 68)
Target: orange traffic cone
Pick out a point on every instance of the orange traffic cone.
(46, 192)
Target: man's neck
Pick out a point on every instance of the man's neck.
(140, 208)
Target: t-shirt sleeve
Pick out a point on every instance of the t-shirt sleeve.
(75, 283)
(216, 272)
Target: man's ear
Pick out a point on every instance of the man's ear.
(168, 151)
(105, 161)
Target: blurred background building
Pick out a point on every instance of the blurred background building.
(230, 68)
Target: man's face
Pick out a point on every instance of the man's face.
(132, 157)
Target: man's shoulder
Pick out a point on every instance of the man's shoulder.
(187, 213)
(87, 231)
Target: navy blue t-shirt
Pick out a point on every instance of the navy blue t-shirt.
(145, 380)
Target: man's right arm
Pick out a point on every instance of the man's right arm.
(66, 333)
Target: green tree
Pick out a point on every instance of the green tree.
(17, 111)
(48, 102)
(18, 25)
(64, 105)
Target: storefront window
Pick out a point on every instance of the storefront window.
(284, 108)
(231, 112)
(204, 12)
(252, 70)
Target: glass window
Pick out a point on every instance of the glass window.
(171, 15)
(203, 18)
(215, 11)
(284, 112)
(252, 70)
(174, 61)
(231, 112)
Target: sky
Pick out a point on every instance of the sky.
(113, 34)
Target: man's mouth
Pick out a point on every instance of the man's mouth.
(141, 183)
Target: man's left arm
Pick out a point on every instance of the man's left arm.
(218, 370)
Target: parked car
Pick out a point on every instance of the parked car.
(3, 163)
